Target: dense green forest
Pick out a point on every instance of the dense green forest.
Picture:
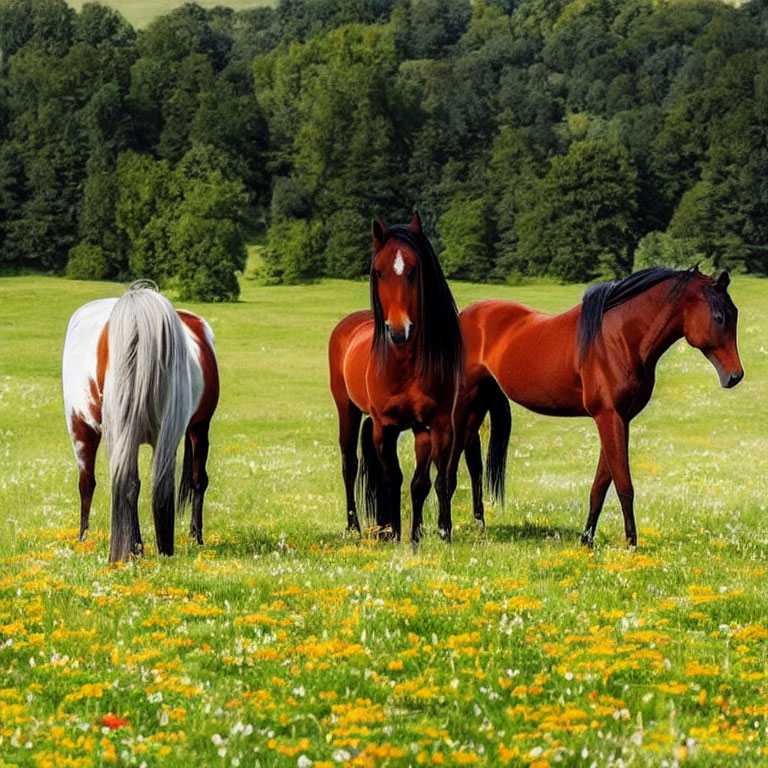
(571, 138)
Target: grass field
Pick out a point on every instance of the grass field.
(283, 642)
(140, 12)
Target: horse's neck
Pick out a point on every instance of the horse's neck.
(664, 322)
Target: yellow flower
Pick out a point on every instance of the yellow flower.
(673, 687)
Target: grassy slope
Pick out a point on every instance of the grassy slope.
(282, 638)
(140, 12)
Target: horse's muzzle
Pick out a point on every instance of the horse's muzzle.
(728, 378)
(731, 379)
(400, 336)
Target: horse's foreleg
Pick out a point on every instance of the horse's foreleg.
(385, 442)
(614, 438)
(445, 454)
(349, 429)
(86, 444)
(198, 436)
(596, 498)
(421, 482)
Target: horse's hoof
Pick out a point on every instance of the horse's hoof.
(587, 540)
(444, 534)
(384, 533)
(353, 524)
(480, 523)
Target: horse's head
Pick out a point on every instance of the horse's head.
(709, 324)
(412, 304)
(396, 281)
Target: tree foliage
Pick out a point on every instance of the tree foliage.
(565, 138)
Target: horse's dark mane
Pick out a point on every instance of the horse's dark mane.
(438, 333)
(601, 297)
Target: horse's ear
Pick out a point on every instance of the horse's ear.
(695, 268)
(723, 281)
(379, 231)
(416, 224)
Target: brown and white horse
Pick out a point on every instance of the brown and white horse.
(138, 371)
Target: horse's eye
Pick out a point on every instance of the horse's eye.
(718, 318)
(411, 276)
(377, 273)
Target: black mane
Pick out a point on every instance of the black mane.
(437, 333)
(601, 297)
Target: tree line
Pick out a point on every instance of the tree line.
(573, 138)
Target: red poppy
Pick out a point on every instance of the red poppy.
(113, 721)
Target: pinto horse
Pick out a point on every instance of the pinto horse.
(599, 359)
(400, 362)
(138, 371)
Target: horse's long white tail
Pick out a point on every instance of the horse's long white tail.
(147, 399)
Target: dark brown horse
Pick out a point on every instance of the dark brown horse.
(401, 362)
(597, 359)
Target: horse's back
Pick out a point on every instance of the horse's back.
(533, 355)
(80, 364)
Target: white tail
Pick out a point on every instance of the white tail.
(147, 399)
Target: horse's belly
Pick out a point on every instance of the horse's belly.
(356, 363)
(552, 390)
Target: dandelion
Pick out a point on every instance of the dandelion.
(673, 687)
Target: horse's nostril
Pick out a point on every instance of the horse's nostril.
(734, 379)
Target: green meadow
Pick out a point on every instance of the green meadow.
(141, 12)
(285, 642)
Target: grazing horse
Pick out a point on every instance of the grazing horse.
(599, 359)
(139, 371)
(400, 362)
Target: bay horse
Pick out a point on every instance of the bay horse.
(139, 371)
(598, 359)
(401, 362)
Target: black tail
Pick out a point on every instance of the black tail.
(371, 488)
(185, 483)
(501, 426)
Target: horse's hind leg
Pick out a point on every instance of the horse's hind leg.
(125, 537)
(199, 445)
(86, 441)
(473, 456)
(596, 498)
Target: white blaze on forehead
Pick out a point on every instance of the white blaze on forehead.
(399, 265)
